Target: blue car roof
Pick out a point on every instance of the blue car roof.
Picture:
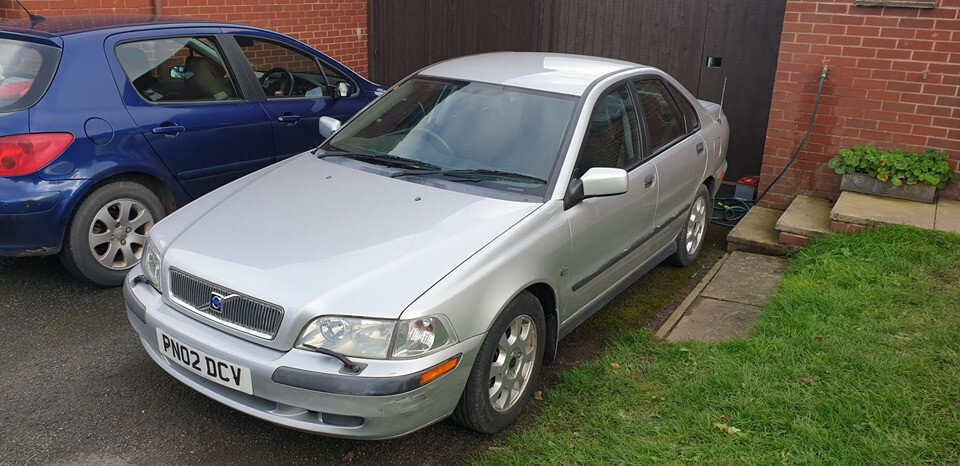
(63, 25)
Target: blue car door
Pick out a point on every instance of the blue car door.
(297, 84)
(182, 92)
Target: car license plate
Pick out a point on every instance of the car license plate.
(209, 367)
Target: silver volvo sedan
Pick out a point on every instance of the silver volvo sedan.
(424, 261)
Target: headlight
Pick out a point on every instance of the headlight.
(416, 337)
(349, 336)
(150, 262)
(372, 338)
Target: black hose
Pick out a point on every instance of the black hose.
(728, 211)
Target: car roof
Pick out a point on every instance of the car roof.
(550, 72)
(73, 24)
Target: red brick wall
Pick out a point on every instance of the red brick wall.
(877, 91)
(331, 26)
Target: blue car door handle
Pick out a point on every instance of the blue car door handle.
(289, 118)
(169, 130)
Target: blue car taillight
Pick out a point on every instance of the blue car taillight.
(23, 154)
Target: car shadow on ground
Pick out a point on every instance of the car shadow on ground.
(78, 387)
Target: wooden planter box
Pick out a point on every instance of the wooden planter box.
(860, 183)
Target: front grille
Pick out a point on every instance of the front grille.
(237, 310)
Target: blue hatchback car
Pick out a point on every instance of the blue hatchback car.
(108, 123)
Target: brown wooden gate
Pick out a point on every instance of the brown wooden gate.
(699, 42)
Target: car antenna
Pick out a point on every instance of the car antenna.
(34, 19)
(723, 93)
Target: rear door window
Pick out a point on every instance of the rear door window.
(26, 70)
(689, 113)
(178, 69)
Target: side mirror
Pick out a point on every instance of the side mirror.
(176, 72)
(342, 90)
(596, 182)
(328, 126)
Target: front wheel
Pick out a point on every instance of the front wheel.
(690, 239)
(506, 368)
(106, 236)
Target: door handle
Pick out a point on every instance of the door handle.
(169, 129)
(289, 118)
(700, 148)
(648, 182)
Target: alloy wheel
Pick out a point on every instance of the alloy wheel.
(512, 363)
(696, 225)
(118, 232)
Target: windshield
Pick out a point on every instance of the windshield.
(26, 70)
(508, 138)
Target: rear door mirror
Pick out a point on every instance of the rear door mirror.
(329, 126)
(596, 182)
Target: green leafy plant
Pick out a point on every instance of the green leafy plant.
(899, 167)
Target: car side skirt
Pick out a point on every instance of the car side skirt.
(647, 266)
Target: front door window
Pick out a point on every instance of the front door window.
(611, 139)
(664, 120)
(283, 72)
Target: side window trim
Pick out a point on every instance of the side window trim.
(227, 63)
(672, 142)
(242, 68)
(646, 153)
(679, 97)
(353, 83)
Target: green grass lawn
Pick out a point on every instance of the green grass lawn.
(856, 360)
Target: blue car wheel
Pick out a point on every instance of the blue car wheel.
(108, 232)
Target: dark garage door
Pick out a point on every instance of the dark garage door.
(700, 42)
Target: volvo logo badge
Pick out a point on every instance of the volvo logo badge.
(217, 300)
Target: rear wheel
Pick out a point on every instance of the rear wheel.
(690, 239)
(506, 368)
(106, 236)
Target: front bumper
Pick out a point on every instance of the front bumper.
(338, 404)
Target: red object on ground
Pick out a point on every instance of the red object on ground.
(751, 181)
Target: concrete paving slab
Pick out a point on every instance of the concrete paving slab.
(756, 232)
(746, 278)
(864, 209)
(715, 320)
(948, 216)
(806, 216)
(691, 297)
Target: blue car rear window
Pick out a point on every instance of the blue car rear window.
(26, 70)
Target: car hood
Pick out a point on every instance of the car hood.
(319, 238)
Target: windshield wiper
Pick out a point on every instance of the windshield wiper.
(474, 173)
(388, 160)
(415, 171)
(478, 174)
(345, 360)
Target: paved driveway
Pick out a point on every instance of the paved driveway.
(77, 387)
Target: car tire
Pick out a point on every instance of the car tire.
(505, 348)
(106, 235)
(691, 237)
